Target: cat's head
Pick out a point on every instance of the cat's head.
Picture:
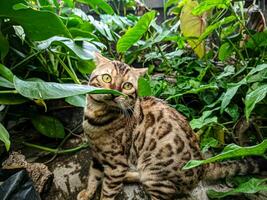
(115, 75)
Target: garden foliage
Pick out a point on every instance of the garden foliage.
(204, 59)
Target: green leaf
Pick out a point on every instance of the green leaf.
(4, 137)
(206, 5)
(225, 51)
(50, 90)
(85, 66)
(5, 83)
(258, 40)
(38, 25)
(144, 88)
(253, 98)
(192, 27)
(230, 93)
(215, 26)
(6, 73)
(103, 5)
(135, 33)
(48, 126)
(231, 151)
(78, 100)
(252, 186)
(228, 70)
(204, 120)
(82, 49)
(258, 68)
(12, 99)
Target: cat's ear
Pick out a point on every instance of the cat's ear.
(140, 71)
(100, 60)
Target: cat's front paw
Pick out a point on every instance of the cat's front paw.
(84, 195)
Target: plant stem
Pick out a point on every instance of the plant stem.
(25, 60)
(163, 56)
(72, 75)
(56, 151)
(9, 92)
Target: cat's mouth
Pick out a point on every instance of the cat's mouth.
(107, 99)
(115, 102)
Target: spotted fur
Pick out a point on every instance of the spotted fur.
(141, 140)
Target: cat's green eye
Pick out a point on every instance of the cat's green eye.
(127, 86)
(106, 78)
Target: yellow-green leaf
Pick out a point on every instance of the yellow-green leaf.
(192, 27)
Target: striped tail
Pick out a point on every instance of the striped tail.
(214, 171)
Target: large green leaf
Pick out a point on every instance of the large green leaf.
(249, 187)
(231, 151)
(192, 27)
(253, 98)
(144, 88)
(50, 90)
(102, 4)
(82, 49)
(4, 136)
(12, 99)
(134, 34)
(48, 126)
(78, 100)
(38, 25)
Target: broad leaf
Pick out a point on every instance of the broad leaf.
(144, 88)
(231, 151)
(48, 126)
(193, 26)
(135, 33)
(12, 99)
(38, 25)
(82, 49)
(50, 90)
(252, 186)
(4, 136)
(253, 98)
(78, 100)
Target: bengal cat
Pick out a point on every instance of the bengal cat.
(141, 140)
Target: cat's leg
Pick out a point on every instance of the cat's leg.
(112, 182)
(160, 189)
(95, 177)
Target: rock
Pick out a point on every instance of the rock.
(38, 172)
